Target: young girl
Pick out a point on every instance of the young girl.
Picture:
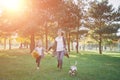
(39, 49)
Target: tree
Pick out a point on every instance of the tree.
(9, 23)
(69, 19)
(100, 15)
(110, 34)
(39, 14)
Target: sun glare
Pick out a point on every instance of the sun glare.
(11, 5)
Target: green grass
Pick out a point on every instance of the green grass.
(19, 65)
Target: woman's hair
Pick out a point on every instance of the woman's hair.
(62, 32)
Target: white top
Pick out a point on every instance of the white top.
(60, 43)
(39, 50)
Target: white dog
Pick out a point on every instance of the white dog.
(73, 70)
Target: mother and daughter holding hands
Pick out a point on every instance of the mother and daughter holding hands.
(59, 49)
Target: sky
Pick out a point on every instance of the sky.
(115, 3)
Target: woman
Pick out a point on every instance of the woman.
(59, 48)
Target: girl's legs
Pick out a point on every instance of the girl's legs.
(38, 61)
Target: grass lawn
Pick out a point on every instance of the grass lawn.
(19, 65)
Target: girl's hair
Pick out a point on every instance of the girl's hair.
(39, 43)
(36, 45)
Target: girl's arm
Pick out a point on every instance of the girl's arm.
(53, 46)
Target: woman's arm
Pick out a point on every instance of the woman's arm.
(64, 42)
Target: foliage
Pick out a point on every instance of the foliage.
(101, 18)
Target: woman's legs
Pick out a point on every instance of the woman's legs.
(60, 55)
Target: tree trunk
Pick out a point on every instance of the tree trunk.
(9, 44)
(46, 38)
(32, 44)
(77, 40)
(27, 45)
(68, 41)
(77, 50)
(42, 39)
(72, 44)
(5, 43)
(100, 44)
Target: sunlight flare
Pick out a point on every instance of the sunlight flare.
(11, 5)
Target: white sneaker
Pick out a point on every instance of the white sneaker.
(38, 68)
